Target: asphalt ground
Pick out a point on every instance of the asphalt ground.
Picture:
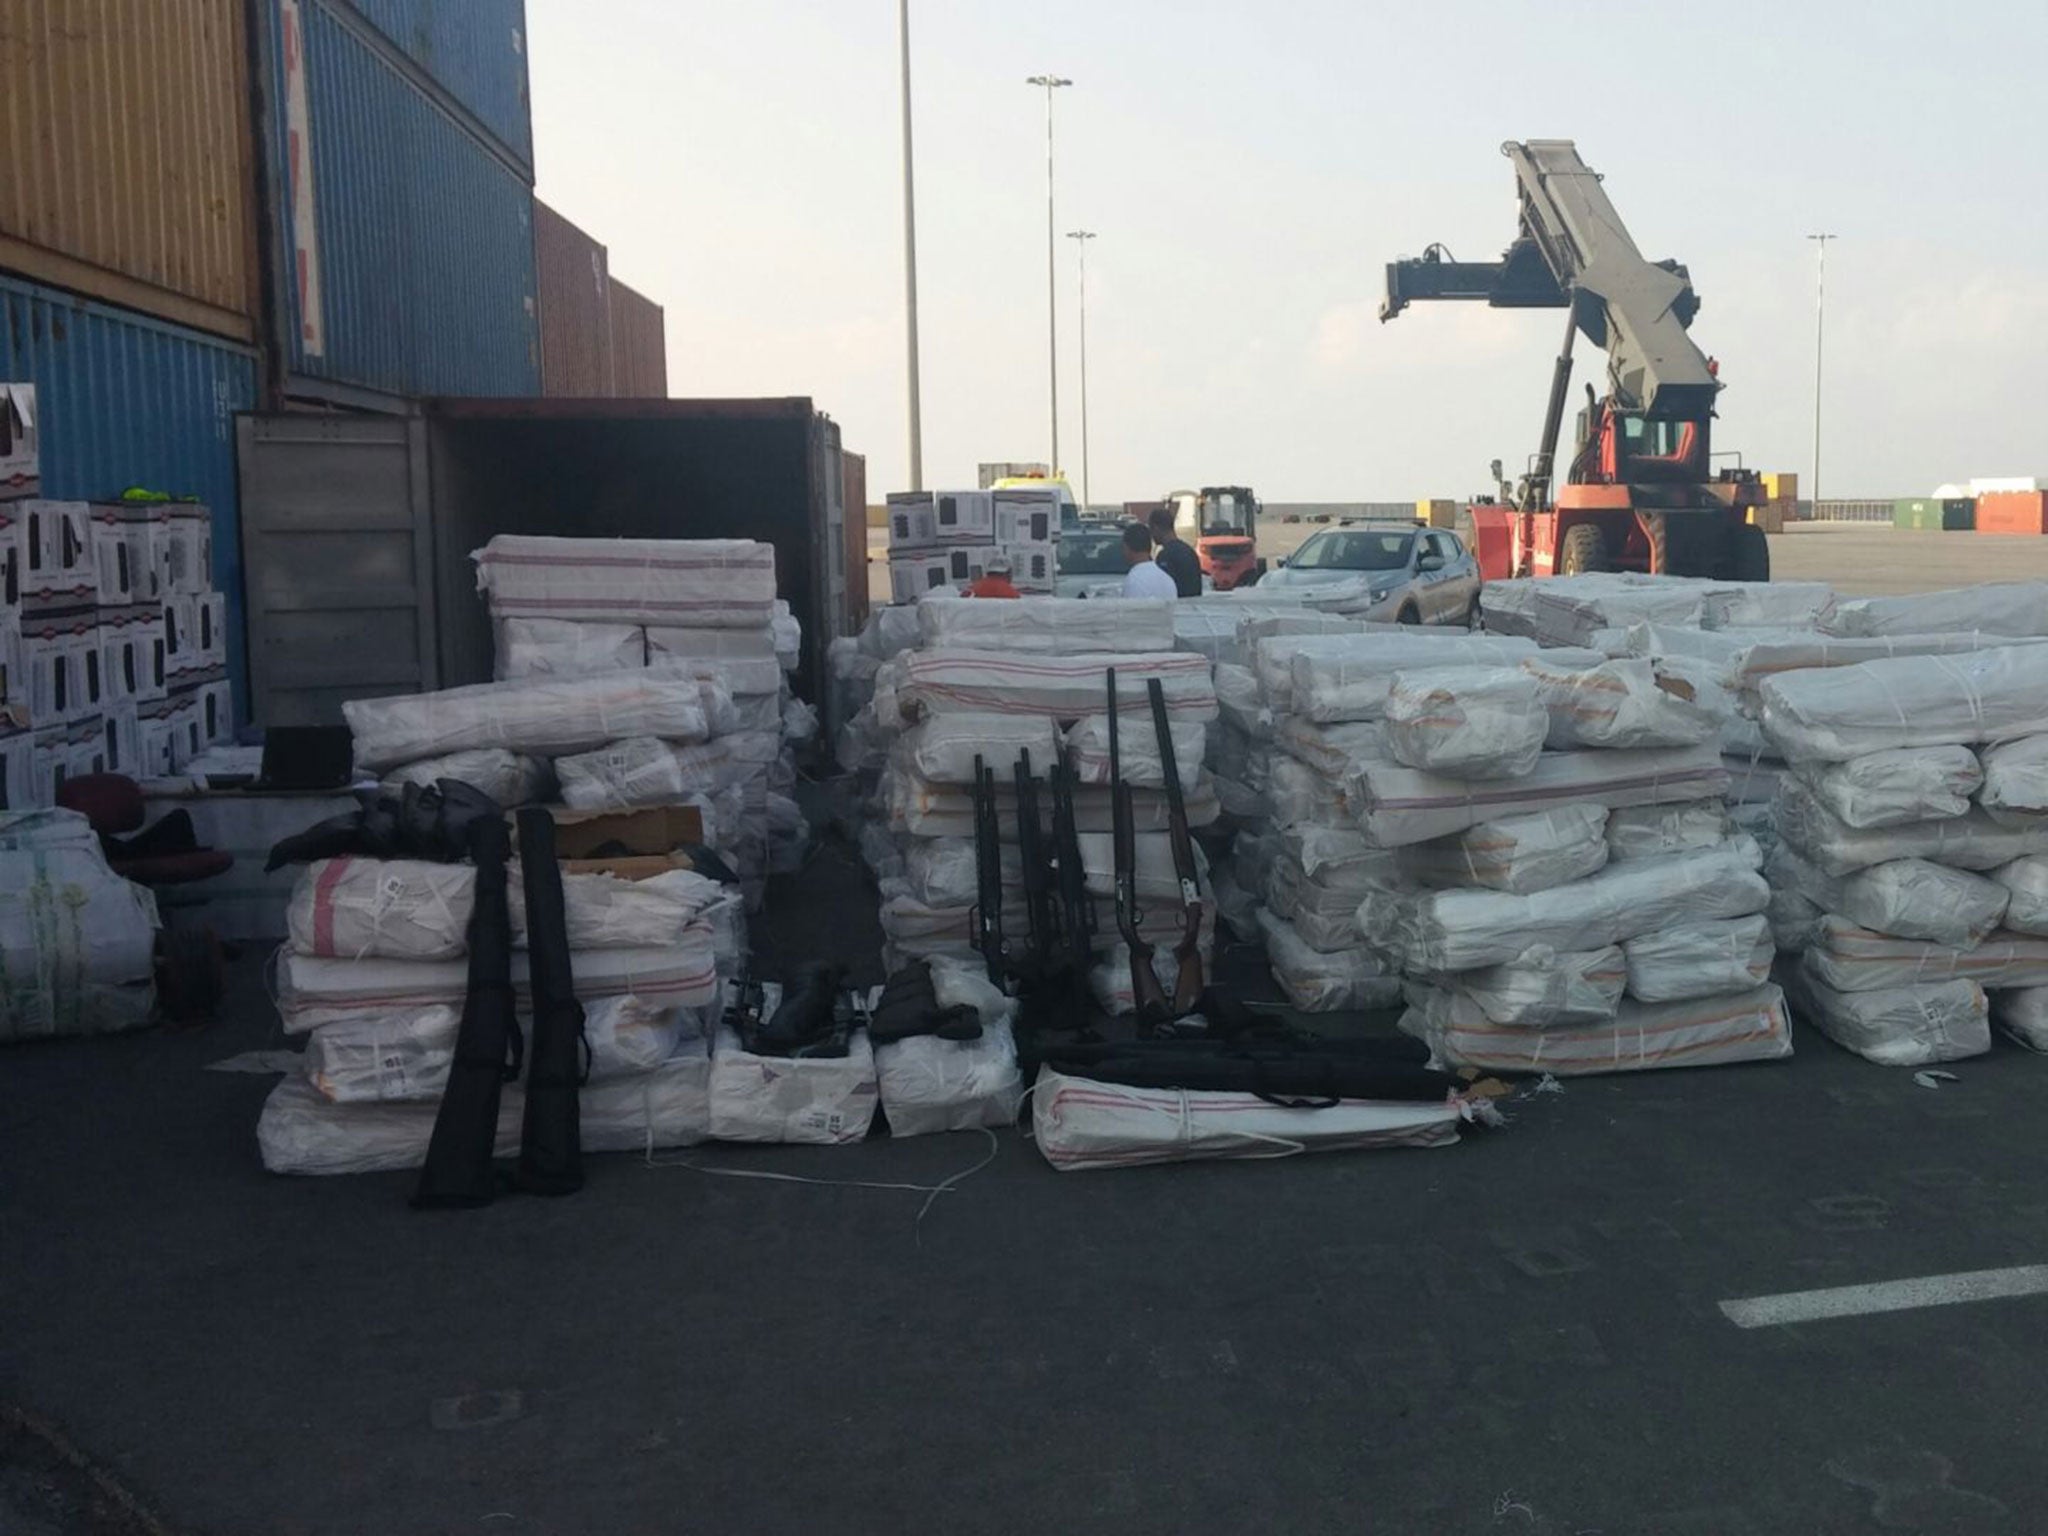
(1517, 1334)
(1861, 559)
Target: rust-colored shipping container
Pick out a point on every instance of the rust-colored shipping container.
(575, 307)
(853, 481)
(639, 347)
(126, 156)
(2013, 512)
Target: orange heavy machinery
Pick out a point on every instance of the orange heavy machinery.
(1222, 522)
(1640, 492)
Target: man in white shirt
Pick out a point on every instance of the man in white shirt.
(1144, 578)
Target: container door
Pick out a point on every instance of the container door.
(337, 538)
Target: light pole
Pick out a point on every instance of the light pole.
(910, 258)
(1051, 83)
(1081, 237)
(1820, 293)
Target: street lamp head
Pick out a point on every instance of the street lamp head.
(1080, 234)
(1050, 82)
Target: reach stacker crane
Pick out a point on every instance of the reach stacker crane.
(1639, 492)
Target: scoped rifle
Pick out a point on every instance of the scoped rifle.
(988, 876)
(1147, 996)
(1187, 954)
(1077, 913)
(1037, 860)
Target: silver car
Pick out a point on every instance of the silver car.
(1414, 575)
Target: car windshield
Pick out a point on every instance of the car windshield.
(1091, 554)
(1349, 549)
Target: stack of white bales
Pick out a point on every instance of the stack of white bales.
(1574, 610)
(374, 975)
(998, 678)
(1914, 847)
(1582, 904)
(1309, 710)
(705, 608)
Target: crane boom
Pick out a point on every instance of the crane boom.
(1574, 250)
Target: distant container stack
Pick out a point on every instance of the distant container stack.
(1949, 514)
(2013, 512)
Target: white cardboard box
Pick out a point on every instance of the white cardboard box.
(115, 577)
(14, 690)
(156, 737)
(911, 576)
(13, 552)
(964, 517)
(1035, 566)
(1026, 517)
(63, 753)
(64, 665)
(20, 466)
(190, 568)
(181, 636)
(17, 769)
(913, 519)
(188, 739)
(212, 611)
(132, 651)
(57, 558)
(121, 739)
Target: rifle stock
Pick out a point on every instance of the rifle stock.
(1147, 996)
(1187, 954)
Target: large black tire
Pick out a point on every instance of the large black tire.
(1409, 614)
(1749, 553)
(1583, 550)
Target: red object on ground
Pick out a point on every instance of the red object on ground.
(992, 586)
(2013, 512)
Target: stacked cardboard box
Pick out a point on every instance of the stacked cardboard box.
(941, 540)
(113, 648)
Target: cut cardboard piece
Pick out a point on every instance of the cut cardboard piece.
(641, 831)
(634, 866)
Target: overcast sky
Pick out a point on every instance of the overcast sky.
(1251, 167)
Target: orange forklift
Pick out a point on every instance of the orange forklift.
(1222, 522)
(1639, 492)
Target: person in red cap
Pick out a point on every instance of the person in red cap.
(994, 580)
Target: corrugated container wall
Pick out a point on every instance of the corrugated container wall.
(475, 50)
(575, 307)
(125, 155)
(639, 345)
(122, 400)
(406, 242)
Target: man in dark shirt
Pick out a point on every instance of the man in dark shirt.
(1175, 555)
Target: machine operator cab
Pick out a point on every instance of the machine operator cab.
(1222, 522)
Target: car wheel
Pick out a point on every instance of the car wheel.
(1472, 614)
(1409, 614)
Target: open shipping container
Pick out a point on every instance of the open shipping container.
(357, 531)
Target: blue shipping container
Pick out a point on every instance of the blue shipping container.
(475, 50)
(122, 400)
(410, 267)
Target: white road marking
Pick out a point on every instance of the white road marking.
(1886, 1296)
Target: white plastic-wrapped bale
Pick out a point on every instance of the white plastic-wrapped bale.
(2022, 1012)
(1465, 722)
(1635, 702)
(1348, 677)
(2016, 775)
(1794, 920)
(302, 1132)
(1296, 795)
(1972, 841)
(1079, 1124)
(1655, 831)
(560, 648)
(1570, 610)
(2012, 608)
(1542, 988)
(1330, 750)
(644, 771)
(954, 681)
(2026, 887)
(1518, 854)
(928, 1085)
(1853, 959)
(1768, 655)
(703, 583)
(923, 809)
(1138, 750)
(1699, 960)
(1916, 899)
(817, 1100)
(1152, 866)
(510, 778)
(1702, 1032)
(543, 719)
(1896, 787)
(405, 1053)
(1765, 605)
(943, 749)
(1318, 981)
(1240, 700)
(1909, 701)
(77, 942)
(1464, 929)
(1908, 1026)
(668, 643)
(1051, 625)
(1396, 805)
